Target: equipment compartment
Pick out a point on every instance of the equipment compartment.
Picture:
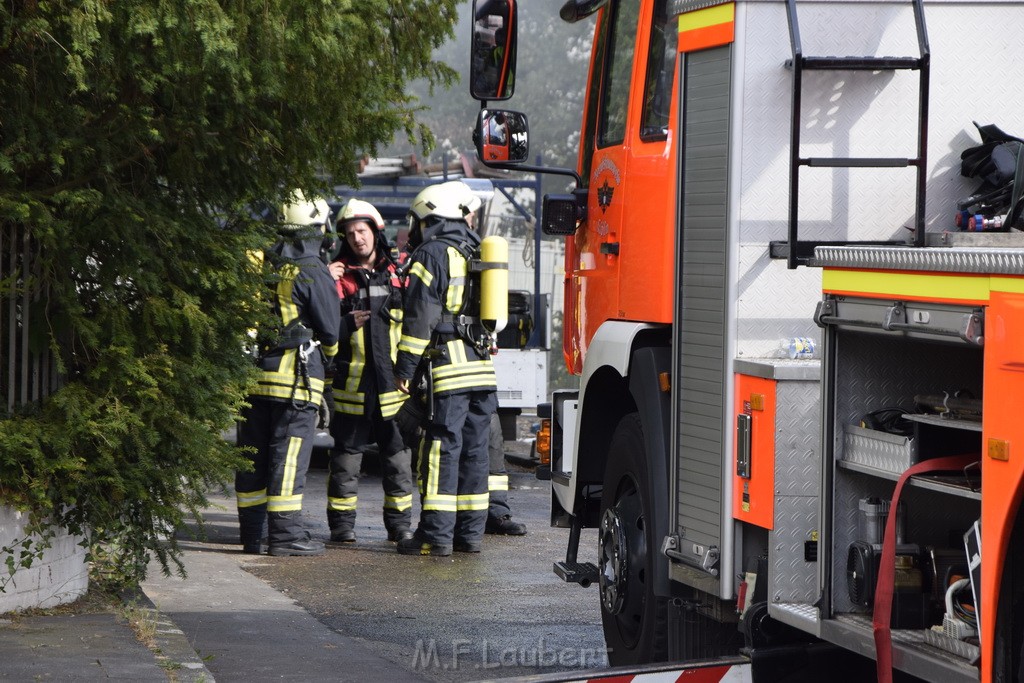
(891, 372)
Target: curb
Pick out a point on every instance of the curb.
(172, 649)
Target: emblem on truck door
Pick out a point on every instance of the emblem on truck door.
(604, 195)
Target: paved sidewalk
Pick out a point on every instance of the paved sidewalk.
(220, 624)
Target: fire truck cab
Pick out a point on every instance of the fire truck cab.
(798, 345)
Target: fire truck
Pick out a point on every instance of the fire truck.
(797, 321)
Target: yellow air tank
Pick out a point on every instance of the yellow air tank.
(494, 283)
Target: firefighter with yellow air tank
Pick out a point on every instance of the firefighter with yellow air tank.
(455, 302)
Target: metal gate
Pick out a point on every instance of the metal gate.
(27, 371)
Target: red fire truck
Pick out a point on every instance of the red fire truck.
(801, 378)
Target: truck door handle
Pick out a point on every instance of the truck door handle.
(743, 445)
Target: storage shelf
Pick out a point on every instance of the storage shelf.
(939, 421)
(909, 649)
(953, 484)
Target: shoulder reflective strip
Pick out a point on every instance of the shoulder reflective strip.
(287, 503)
(285, 287)
(341, 504)
(497, 482)
(709, 27)
(457, 269)
(472, 501)
(420, 271)
(928, 286)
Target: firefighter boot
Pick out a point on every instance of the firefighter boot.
(504, 526)
(252, 530)
(417, 545)
(343, 535)
(305, 545)
(400, 533)
(342, 526)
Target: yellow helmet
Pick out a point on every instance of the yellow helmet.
(358, 210)
(453, 200)
(301, 212)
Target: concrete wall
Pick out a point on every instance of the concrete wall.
(60, 576)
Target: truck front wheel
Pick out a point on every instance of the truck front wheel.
(633, 617)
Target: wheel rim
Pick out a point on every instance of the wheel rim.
(623, 556)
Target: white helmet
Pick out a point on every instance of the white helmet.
(453, 200)
(358, 210)
(301, 212)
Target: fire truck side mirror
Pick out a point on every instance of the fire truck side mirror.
(502, 137)
(492, 61)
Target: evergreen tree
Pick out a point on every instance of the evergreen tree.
(136, 138)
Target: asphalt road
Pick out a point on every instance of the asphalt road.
(500, 614)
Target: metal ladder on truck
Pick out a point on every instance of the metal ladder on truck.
(798, 252)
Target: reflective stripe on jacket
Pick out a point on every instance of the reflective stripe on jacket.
(437, 282)
(367, 355)
(304, 293)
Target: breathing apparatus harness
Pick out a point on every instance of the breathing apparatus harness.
(295, 335)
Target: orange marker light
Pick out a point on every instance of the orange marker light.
(544, 442)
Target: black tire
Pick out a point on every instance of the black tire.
(633, 617)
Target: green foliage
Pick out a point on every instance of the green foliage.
(134, 138)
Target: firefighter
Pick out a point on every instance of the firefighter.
(440, 343)
(282, 417)
(365, 398)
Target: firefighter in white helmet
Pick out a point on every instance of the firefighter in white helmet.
(365, 398)
(280, 422)
(440, 346)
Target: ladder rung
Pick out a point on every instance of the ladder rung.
(862, 162)
(861, 63)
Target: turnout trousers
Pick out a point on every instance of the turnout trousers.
(497, 480)
(270, 496)
(453, 468)
(351, 435)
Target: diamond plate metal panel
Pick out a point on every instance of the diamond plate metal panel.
(791, 577)
(797, 615)
(879, 371)
(880, 450)
(797, 439)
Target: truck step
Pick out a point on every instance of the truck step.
(832, 63)
(583, 573)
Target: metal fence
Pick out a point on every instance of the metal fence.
(26, 374)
